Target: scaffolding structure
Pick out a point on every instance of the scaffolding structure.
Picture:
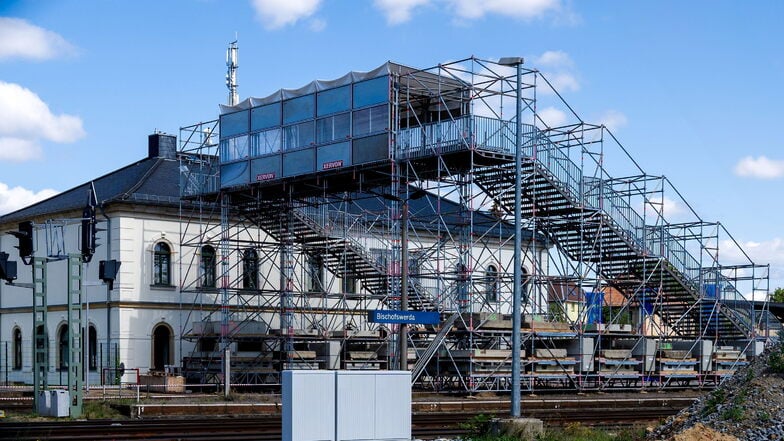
(284, 268)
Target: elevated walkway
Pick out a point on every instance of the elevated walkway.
(590, 222)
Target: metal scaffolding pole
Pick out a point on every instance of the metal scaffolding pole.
(518, 231)
(75, 294)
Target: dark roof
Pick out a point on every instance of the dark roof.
(435, 214)
(151, 180)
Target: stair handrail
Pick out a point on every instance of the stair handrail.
(424, 358)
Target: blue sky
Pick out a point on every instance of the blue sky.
(691, 89)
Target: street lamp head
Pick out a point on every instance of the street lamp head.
(510, 61)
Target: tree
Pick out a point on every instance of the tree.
(778, 295)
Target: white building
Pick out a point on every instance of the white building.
(163, 290)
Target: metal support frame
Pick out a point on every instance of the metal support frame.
(40, 334)
(593, 233)
(74, 336)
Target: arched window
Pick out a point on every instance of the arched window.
(207, 265)
(62, 348)
(524, 281)
(492, 284)
(162, 347)
(250, 269)
(92, 355)
(17, 349)
(314, 273)
(161, 270)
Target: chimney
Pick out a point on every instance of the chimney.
(161, 145)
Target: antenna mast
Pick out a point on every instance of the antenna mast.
(231, 74)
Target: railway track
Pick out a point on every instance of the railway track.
(426, 425)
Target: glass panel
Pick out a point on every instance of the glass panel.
(333, 128)
(298, 109)
(334, 100)
(234, 148)
(298, 135)
(370, 149)
(372, 120)
(161, 265)
(208, 266)
(265, 116)
(265, 142)
(233, 124)
(370, 92)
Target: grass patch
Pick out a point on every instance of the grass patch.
(578, 432)
(714, 399)
(734, 413)
(98, 410)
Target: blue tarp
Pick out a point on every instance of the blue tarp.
(594, 302)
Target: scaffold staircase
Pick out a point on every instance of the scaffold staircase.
(591, 222)
(343, 255)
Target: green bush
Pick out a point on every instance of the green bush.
(734, 413)
(477, 427)
(714, 399)
(776, 361)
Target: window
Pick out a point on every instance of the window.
(349, 284)
(298, 135)
(62, 348)
(314, 274)
(298, 109)
(250, 269)
(92, 354)
(235, 148)
(524, 279)
(333, 128)
(161, 270)
(492, 284)
(372, 120)
(265, 117)
(207, 266)
(266, 142)
(233, 124)
(370, 92)
(334, 100)
(162, 347)
(17, 349)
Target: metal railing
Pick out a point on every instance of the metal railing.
(495, 135)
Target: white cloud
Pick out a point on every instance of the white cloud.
(664, 206)
(25, 119)
(18, 150)
(12, 199)
(760, 168)
(613, 120)
(558, 68)
(398, 11)
(20, 39)
(275, 14)
(556, 59)
(317, 25)
(552, 117)
(761, 253)
(522, 9)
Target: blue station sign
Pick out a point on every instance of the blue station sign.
(393, 316)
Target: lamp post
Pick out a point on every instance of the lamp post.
(416, 194)
(516, 289)
(403, 328)
(403, 340)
